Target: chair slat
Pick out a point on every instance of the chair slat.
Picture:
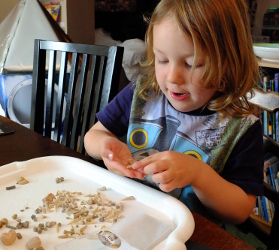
(60, 96)
(79, 99)
(50, 93)
(38, 90)
(68, 121)
(88, 103)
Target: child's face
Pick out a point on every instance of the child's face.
(174, 55)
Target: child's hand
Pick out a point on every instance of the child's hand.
(170, 169)
(118, 158)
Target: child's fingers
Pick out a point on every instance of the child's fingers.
(166, 187)
(141, 164)
(107, 154)
(162, 177)
(149, 165)
(139, 175)
(148, 161)
(141, 170)
(117, 168)
(110, 156)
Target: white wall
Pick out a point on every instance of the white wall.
(5, 7)
(263, 5)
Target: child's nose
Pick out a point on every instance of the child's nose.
(176, 75)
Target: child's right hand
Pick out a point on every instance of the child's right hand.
(117, 158)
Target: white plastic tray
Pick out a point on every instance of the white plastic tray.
(86, 178)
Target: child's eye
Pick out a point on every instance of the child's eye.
(162, 62)
(189, 65)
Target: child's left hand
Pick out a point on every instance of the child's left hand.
(170, 169)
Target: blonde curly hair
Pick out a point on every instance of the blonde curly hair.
(222, 29)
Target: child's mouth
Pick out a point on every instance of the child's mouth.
(179, 96)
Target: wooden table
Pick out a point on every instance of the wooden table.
(25, 144)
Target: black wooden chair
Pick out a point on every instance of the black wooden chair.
(268, 101)
(71, 82)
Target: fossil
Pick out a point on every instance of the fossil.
(34, 242)
(8, 238)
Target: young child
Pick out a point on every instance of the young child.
(190, 131)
